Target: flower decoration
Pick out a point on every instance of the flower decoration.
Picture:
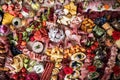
(92, 68)
(68, 70)
(116, 35)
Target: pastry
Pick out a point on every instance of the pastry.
(54, 77)
(17, 63)
(76, 65)
(74, 76)
(78, 56)
(55, 71)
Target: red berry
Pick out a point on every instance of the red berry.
(89, 50)
(24, 74)
(32, 39)
(15, 76)
(96, 43)
(23, 70)
(93, 47)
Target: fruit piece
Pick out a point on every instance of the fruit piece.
(32, 39)
(44, 23)
(32, 63)
(89, 50)
(23, 70)
(93, 47)
(96, 43)
(26, 60)
(15, 76)
(37, 47)
(30, 69)
(26, 65)
(106, 6)
(24, 74)
(23, 43)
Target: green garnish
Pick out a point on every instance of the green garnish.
(37, 47)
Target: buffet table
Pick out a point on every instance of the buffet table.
(59, 39)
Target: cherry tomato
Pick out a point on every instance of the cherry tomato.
(93, 47)
(96, 43)
(24, 74)
(15, 76)
(89, 50)
(23, 70)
